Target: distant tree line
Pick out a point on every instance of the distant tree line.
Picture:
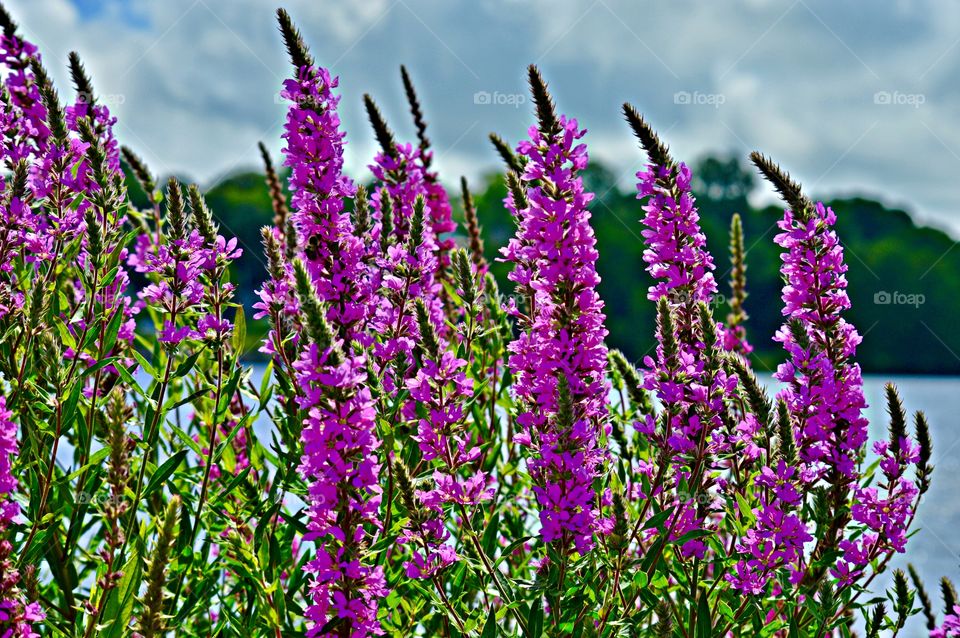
(905, 279)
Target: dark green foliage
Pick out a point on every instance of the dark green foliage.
(888, 252)
(81, 81)
(416, 112)
(506, 153)
(922, 436)
(898, 416)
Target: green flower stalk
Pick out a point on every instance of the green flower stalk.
(153, 620)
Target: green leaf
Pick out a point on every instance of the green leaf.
(508, 551)
(489, 541)
(99, 365)
(746, 512)
(163, 472)
(149, 369)
(119, 607)
(223, 445)
(691, 535)
(175, 402)
(187, 439)
(239, 338)
(184, 368)
(95, 459)
(658, 519)
(490, 627)
(704, 628)
(113, 329)
(70, 406)
(535, 619)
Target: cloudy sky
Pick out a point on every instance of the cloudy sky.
(848, 100)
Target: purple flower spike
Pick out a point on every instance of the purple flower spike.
(558, 361)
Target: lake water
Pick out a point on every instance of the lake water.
(935, 549)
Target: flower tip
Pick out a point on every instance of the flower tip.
(545, 109)
(7, 22)
(789, 190)
(657, 151)
(81, 80)
(506, 153)
(296, 48)
(381, 130)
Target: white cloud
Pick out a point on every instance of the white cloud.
(199, 78)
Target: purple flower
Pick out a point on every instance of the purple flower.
(173, 335)
(341, 468)
(334, 255)
(16, 614)
(676, 252)
(406, 272)
(439, 211)
(825, 390)
(950, 626)
(558, 361)
(340, 463)
(780, 482)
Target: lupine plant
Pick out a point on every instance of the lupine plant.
(423, 455)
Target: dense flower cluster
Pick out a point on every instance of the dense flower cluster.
(950, 626)
(277, 301)
(885, 511)
(333, 253)
(422, 432)
(187, 269)
(683, 375)
(24, 110)
(825, 390)
(676, 252)
(405, 273)
(409, 267)
(16, 613)
(412, 210)
(778, 537)
(440, 213)
(825, 401)
(340, 464)
(440, 387)
(558, 360)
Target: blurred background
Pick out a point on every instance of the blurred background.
(862, 106)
